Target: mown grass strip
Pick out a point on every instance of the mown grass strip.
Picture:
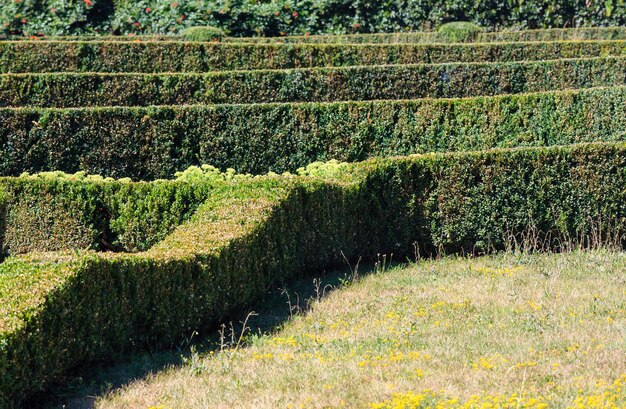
(309, 85)
(156, 56)
(423, 328)
(249, 236)
(155, 142)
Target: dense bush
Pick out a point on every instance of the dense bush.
(207, 33)
(459, 31)
(419, 37)
(310, 85)
(554, 34)
(51, 212)
(249, 236)
(243, 17)
(125, 57)
(150, 143)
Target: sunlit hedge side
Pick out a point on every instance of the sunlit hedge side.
(159, 56)
(309, 85)
(58, 310)
(150, 143)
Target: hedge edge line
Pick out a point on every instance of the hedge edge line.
(355, 83)
(544, 34)
(200, 57)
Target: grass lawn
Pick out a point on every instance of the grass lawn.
(503, 331)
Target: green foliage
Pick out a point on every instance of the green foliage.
(554, 34)
(152, 143)
(54, 211)
(332, 169)
(207, 33)
(57, 311)
(418, 37)
(185, 57)
(459, 31)
(53, 17)
(311, 85)
(207, 173)
(62, 17)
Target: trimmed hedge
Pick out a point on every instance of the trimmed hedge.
(553, 34)
(50, 213)
(248, 237)
(150, 143)
(309, 85)
(116, 56)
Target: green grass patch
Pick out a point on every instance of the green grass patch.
(452, 333)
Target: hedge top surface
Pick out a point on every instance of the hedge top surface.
(552, 34)
(433, 65)
(294, 45)
(18, 56)
(25, 282)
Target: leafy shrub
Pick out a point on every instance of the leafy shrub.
(52, 211)
(459, 31)
(282, 17)
(152, 143)
(313, 85)
(168, 57)
(207, 33)
(414, 37)
(251, 235)
(554, 34)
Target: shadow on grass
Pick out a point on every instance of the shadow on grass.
(81, 389)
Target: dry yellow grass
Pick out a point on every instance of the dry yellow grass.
(503, 331)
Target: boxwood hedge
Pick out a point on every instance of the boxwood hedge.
(416, 37)
(150, 143)
(310, 85)
(551, 34)
(58, 310)
(51, 212)
(158, 56)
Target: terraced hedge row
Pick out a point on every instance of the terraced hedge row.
(552, 34)
(115, 56)
(311, 85)
(150, 143)
(51, 213)
(57, 312)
